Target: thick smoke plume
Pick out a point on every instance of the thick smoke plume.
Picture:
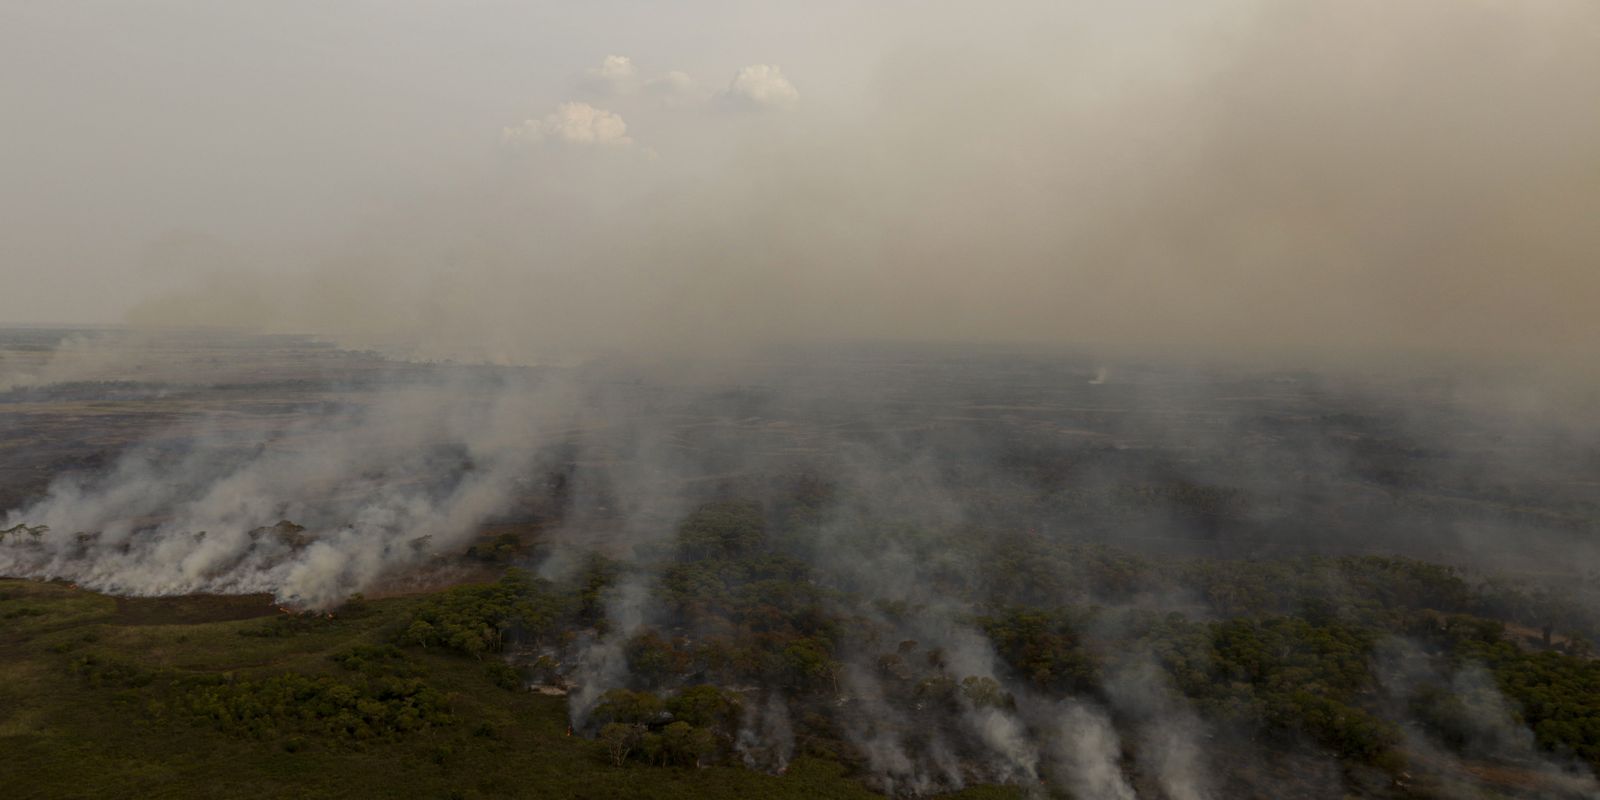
(358, 494)
(1089, 751)
(628, 234)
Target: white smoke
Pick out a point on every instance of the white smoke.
(766, 736)
(1088, 751)
(1168, 731)
(877, 731)
(367, 486)
(1491, 726)
(1498, 732)
(1004, 734)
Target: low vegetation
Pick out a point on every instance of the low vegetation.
(430, 695)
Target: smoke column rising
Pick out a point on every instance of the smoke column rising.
(1309, 181)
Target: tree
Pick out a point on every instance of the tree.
(704, 706)
(808, 665)
(621, 705)
(651, 657)
(720, 530)
(620, 739)
(685, 744)
(34, 533)
(985, 692)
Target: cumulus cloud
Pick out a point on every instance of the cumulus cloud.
(616, 75)
(674, 90)
(760, 86)
(574, 124)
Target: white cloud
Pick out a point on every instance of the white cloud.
(574, 124)
(760, 86)
(615, 76)
(675, 90)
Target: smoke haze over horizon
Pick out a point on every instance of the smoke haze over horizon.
(1153, 398)
(1301, 179)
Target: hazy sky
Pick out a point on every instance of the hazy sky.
(516, 178)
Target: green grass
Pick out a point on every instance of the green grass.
(63, 736)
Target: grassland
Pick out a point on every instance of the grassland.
(126, 727)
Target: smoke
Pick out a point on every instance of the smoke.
(130, 356)
(371, 491)
(1006, 736)
(1305, 180)
(72, 359)
(1088, 752)
(1170, 734)
(766, 737)
(878, 732)
(1478, 721)
(1492, 719)
(602, 662)
(383, 482)
(1320, 182)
